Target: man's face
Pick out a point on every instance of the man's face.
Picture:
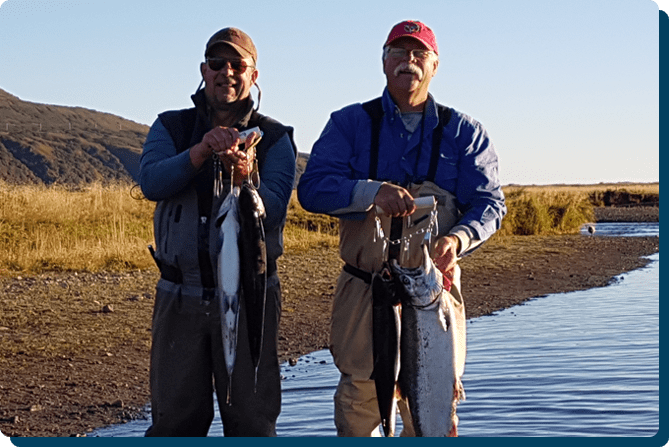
(407, 73)
(230, 83)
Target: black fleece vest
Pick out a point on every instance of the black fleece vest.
(187, 127)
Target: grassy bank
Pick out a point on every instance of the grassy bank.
(89, 228)
(107, 228)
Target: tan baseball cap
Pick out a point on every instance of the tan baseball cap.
(235, 38)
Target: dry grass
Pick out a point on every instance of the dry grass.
(107, 228)
(638, 188)
(546, 212)
(90, 228)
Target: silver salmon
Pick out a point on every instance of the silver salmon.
(228, 273)
(429, 379)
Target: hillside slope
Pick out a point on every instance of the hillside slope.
(48, 144)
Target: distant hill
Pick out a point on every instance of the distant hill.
(50, 144)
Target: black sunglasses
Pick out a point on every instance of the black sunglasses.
(218, 63)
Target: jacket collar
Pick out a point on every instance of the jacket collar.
(390, 109)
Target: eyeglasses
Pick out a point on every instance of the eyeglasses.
(401, 53)
(219, 63)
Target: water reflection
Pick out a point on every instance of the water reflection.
(583, 363)
(576, 364)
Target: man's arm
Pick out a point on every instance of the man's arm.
(478, 189)
(327, 184)
(276, 180)
(163, 172)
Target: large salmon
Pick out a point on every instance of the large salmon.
(429, 378)
(229, 284)
(253, 258)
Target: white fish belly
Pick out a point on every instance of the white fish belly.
(229, 286)
(428, 378)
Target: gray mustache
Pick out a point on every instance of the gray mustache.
(406, 66)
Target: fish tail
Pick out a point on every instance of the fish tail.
(458, 395)
(453, 432)
(459, 391)
(228, 399)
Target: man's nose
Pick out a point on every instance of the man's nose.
(227, 68)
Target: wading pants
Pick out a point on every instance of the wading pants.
(356, 407)
(187, 365)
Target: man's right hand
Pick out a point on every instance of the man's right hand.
(219, 139)
(394, 200)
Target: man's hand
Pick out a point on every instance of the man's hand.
(394, 200)
(224, 142)
(446, 257)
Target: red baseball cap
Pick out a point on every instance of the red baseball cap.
(415, 29)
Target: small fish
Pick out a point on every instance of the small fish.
(229, 284)
(428, 377)
(253, 261)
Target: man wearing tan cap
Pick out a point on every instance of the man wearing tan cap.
(382, 155)
(184, 152)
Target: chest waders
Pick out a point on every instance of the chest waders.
(385, 303)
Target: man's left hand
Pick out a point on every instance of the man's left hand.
(446, 255)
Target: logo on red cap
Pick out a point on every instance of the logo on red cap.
(412, 27)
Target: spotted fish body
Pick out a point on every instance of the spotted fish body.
(228, 272)
(428, 377)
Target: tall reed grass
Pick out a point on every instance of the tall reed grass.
(97, 227)
(545, 212)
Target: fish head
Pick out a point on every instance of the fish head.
(249, 199)
(418, 286)
(228, 206)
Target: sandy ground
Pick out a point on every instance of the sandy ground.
(74, 347)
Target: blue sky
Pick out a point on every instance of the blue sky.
(567, 90)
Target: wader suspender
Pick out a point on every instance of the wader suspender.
(374, 109)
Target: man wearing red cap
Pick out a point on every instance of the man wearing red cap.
(382, 155)
(182, 157)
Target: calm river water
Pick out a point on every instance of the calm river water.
(575, 364)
